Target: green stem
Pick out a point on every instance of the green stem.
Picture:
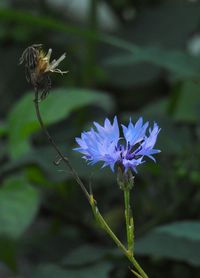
(90, 198)
(99, 218)
(127, 218)
(129, 221)
(132, 236)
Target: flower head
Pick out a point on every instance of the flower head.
(38, 66)
(105, 144)
(44, 64)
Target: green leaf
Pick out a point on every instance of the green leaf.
(54, 271)
(19, 203)
(50, 271)
(189, 230)
(177, 241)
(157, 47)
(22, 121)
(4, 4)
(42, 157)
(187, 108)
(3, 128)
(85, 254)
(8, 252)
(177, 62)
(54, 24)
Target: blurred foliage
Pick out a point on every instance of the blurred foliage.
(130, 58)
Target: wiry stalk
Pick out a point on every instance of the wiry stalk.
(54, 145)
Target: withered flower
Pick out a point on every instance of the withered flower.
(38, 67)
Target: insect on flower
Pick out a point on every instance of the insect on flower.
(38, 67)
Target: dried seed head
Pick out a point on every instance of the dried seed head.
(38, 66)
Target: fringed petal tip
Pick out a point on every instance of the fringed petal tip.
(102, 144)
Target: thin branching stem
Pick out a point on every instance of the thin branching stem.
(104, 225)
(54, 145)
(92, 202)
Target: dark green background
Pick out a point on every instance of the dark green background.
(125, 58)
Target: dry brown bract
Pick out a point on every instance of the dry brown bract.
(38, 66)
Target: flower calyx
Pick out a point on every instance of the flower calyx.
(125, 180)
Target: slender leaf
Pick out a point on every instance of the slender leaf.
(53, 24)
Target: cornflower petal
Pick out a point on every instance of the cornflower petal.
(104, 144)
(134, 134)
(149, 142)
(109, 131)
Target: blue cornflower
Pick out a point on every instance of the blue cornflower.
(105, 144)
